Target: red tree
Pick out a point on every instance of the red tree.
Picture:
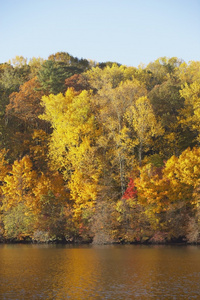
(131, 191)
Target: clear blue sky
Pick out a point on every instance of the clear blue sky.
(129, 32)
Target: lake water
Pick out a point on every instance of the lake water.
(99, 272)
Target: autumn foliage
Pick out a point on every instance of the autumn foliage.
(99, 152)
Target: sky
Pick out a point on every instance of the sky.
(129, 32)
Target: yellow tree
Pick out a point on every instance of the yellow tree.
(49, 207)
(35, 65)
(51, 182)
(188, 73)
(176, 181)
(18, 61)
(18, 217)
(170, 195)
(72, 144)
(116, 141)
(190, 114)
(18, 184)
(98, 78)
(143, 121)
(3, 167)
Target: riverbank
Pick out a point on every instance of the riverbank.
(80, 242)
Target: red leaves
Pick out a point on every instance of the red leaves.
(131, 191)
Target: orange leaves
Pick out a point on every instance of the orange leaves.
(25, 104)
(48, 183)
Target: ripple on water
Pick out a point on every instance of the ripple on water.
(112, 272)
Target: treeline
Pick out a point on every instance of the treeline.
(99, 151)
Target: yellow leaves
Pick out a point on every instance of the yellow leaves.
(18, 183)
(143, 120)
(191, 93)
(53, 105)
(110, 75)
(71, 144)
(177, 182)
(190, 114)
(189, 72)
(83, 189)
(3, 165)
(187, 167)
(23, 186)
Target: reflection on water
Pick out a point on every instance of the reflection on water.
(99, 272)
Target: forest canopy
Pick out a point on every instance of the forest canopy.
(99, 152)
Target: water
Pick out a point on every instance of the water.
(99, 272)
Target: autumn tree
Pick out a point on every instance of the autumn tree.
(70, 60)
(160, 69)
(35, 65)
(38, 149)
(144, 123)
(10, 80)
(4, 168)
(22, 117)
(25, 104)
(72, 145)
(78, 82)
(170, 197)
(51, 199)
(18, 184)
(115, 142)
(189, 72)
(190, 114)
(18, 223)
(111, 74)
(76, 131)
(21, 68)
(17, 199)
(132, 224)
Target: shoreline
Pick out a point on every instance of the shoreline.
(175, 243)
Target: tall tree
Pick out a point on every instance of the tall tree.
(72, 144)
(143, 121)
(116, 140)
(190, 114)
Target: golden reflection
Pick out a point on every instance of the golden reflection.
(106, 272)
(80, 270)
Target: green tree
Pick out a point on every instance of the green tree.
(70, 60)
(52, 76)
(18, 223)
